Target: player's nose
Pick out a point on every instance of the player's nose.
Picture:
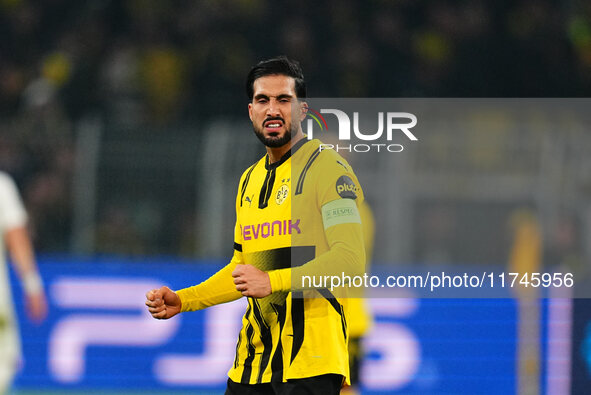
(273, 109)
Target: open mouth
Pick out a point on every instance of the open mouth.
(273, 126)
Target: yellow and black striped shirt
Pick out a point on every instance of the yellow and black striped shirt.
(295, 217)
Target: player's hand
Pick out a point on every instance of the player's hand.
(163, 303)
(36, 307)
(251, 281)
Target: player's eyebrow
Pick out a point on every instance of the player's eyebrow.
(284, 96)
(278, 97)
(260, 96)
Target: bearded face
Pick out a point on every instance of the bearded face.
(274, 132)
(271, 110)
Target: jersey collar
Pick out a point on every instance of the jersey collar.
(286, 156)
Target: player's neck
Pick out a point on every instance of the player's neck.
(275, 154)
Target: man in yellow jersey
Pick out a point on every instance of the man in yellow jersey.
(296, 215)
(359, 313)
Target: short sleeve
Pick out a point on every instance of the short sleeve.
(12, 211)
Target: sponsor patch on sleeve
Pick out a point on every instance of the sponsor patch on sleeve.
(340, 211)
(346, 188)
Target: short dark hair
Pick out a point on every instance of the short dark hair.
(280, 65)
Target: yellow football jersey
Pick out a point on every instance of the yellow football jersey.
(360, 316)
(293, 217)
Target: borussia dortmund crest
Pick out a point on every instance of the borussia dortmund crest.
(281, 194)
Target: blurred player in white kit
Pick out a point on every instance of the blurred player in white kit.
(15, 240)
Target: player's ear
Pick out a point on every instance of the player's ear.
(250, 110)
(303, 110)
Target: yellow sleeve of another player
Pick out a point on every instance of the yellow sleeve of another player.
(217, 289)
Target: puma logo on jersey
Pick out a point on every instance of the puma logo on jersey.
(269, 229)
(247, 199)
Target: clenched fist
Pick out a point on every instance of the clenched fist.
(251, 281)
(163, 303)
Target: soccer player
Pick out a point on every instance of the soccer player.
(16, 240)
(359, 313)
(296, 214)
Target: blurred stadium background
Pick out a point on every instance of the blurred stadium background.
(124, 124)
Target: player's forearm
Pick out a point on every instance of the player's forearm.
(218, 289)
(20, 248)
(345, 256)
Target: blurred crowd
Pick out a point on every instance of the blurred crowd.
(151, 62)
